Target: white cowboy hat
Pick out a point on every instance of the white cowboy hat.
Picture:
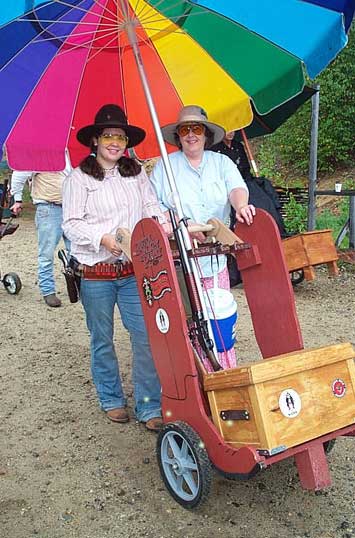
(192, 114)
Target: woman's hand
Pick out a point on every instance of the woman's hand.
(109, 242)
(245, 213)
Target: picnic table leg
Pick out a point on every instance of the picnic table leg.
(333, 269)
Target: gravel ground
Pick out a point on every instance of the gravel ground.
(66, 471)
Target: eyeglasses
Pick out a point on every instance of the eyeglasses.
(108, 138)
(195, 128)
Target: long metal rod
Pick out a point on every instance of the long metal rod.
(312, 184)
(191, 264)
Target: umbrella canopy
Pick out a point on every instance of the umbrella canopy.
(61, 60)
(268, 123)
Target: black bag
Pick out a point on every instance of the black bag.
(262, 195)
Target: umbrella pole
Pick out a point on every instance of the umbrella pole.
(189, 263)
(164, 154)
(249, 152)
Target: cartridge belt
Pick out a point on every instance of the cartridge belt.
(104, 271)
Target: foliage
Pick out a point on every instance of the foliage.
(268, 167)
(296, 216)
(335, 219)
(289, 146)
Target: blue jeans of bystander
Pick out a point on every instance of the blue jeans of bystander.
(99, 299)
(48, 221)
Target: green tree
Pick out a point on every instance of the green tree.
(289, 146)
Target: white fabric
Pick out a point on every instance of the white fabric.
(204, 192)
(92, 208)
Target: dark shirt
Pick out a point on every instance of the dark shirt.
(237, 153)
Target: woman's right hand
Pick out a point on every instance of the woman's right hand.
(109, 242)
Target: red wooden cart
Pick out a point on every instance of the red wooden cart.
(240, 421)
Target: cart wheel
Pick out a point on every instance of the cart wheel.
(329, 445)
(184, 464)
(12, 283)
(297, 277)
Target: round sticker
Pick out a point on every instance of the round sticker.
(290, 403)
(338, 388)
(162, 320)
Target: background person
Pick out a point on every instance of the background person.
(234, 149)
(108, 191)
(261, 192)
(46, 193)
(208, 184)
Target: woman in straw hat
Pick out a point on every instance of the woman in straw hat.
(109, 191)
(208, 184)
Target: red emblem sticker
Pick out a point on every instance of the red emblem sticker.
(338, 388)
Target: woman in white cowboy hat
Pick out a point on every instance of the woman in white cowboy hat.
(109, 191)
(208, 184)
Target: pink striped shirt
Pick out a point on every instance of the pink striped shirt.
(92, 208)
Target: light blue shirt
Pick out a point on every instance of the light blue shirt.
(203, 191)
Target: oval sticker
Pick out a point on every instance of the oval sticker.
(162, 320)
(290, 403)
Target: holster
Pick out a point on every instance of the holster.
(72, 279)
(73, 284)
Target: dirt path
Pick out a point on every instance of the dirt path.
(66, 471)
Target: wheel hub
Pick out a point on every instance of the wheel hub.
(177, 467)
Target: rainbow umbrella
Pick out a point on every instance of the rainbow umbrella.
(61, 60)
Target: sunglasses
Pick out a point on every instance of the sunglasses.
(195, 128)
(108, 138)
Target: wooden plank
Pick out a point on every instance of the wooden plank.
(274, 316)
(295, 255)
(310, 248)
(319, 247)
(277, 367)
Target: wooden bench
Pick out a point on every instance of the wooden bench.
(306, 250)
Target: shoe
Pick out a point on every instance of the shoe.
(119, 415)
(52, 300)
(154, 424)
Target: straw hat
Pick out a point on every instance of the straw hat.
(192, 114)
(111, 116)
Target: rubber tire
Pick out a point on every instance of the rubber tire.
(297, 277)
(12, 283)
(183, 436)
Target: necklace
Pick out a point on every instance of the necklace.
(109, 169)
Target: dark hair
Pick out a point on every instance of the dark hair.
(208, 142)
(127, 167)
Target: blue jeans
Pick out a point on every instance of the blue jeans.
(48, 222)
(99, 299)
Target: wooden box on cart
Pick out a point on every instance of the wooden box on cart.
(283, 401)
(308, 249)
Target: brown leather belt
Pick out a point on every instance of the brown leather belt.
(104, 271)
